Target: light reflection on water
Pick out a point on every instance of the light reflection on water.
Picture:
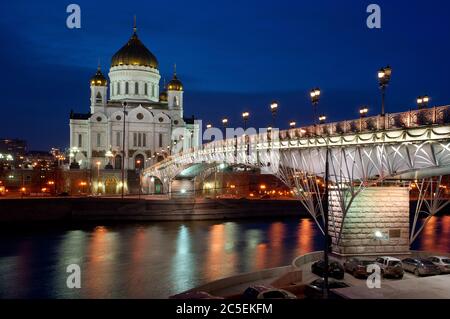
(156, 260)
(435, 236)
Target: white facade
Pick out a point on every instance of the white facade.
(154, 124)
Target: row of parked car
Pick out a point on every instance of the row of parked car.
(390, 267)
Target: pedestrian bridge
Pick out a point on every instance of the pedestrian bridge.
(401, 145)
(360, 213)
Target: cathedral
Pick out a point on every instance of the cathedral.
(138, 122)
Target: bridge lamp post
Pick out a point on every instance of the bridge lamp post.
(362, 114)
(384, 77)
(274, 109)
(245, 117)
(138, 164)
(224, 124)
(422, 102)
(322, 119)
(124, 104)
(315, 97)
(98, 163)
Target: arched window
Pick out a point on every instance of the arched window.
(112, 89)
(118, 162)
(136, 88)
(118, 88)
(153, 90)
(127, 88)
(175, 101)
(160, 140)
(118, 139)
(99, 139)
(146, 89)
(98, 98)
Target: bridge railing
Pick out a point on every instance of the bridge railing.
(409, 119)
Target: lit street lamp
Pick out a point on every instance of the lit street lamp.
(422, 101)
(322, 119)
(384, 76)
(293, 124)
(138, 165)
(208, 125)
(124, 104)
(362, 113)
(245, 117)
(273, 109)
(315, 97)
(98, 163)
(224, 124)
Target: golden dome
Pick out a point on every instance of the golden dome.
(99, 79)
(163, 96)
(175, 84)
(134, 52)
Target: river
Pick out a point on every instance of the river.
(156, 260)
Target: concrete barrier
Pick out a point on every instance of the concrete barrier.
(307, 258)
(132, 209)
(238, 280)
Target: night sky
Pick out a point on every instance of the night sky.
(231, 56)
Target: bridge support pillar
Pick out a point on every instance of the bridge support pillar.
(377, 223)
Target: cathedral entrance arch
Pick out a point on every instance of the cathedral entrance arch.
(110, 185)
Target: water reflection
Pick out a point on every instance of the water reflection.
(99, 270)
(182, 265)
(305, 236)
(276, 240)
(435, 236)
(220, 257)
(155, 260)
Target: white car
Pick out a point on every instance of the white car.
(442, 262)
(390, 267)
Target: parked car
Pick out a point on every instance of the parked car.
(253, 292)
(358, 267)
(442, 262)
(390, 267)
(335, 269)
(420, 266)
(315, 289)
(276, 294)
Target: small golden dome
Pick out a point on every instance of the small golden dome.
(175, 84)
(99, 79)
(163, 96)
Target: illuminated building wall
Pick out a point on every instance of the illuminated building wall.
(376, 223)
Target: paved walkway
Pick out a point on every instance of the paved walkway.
(435, 287)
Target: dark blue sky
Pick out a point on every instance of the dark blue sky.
(231, 56)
